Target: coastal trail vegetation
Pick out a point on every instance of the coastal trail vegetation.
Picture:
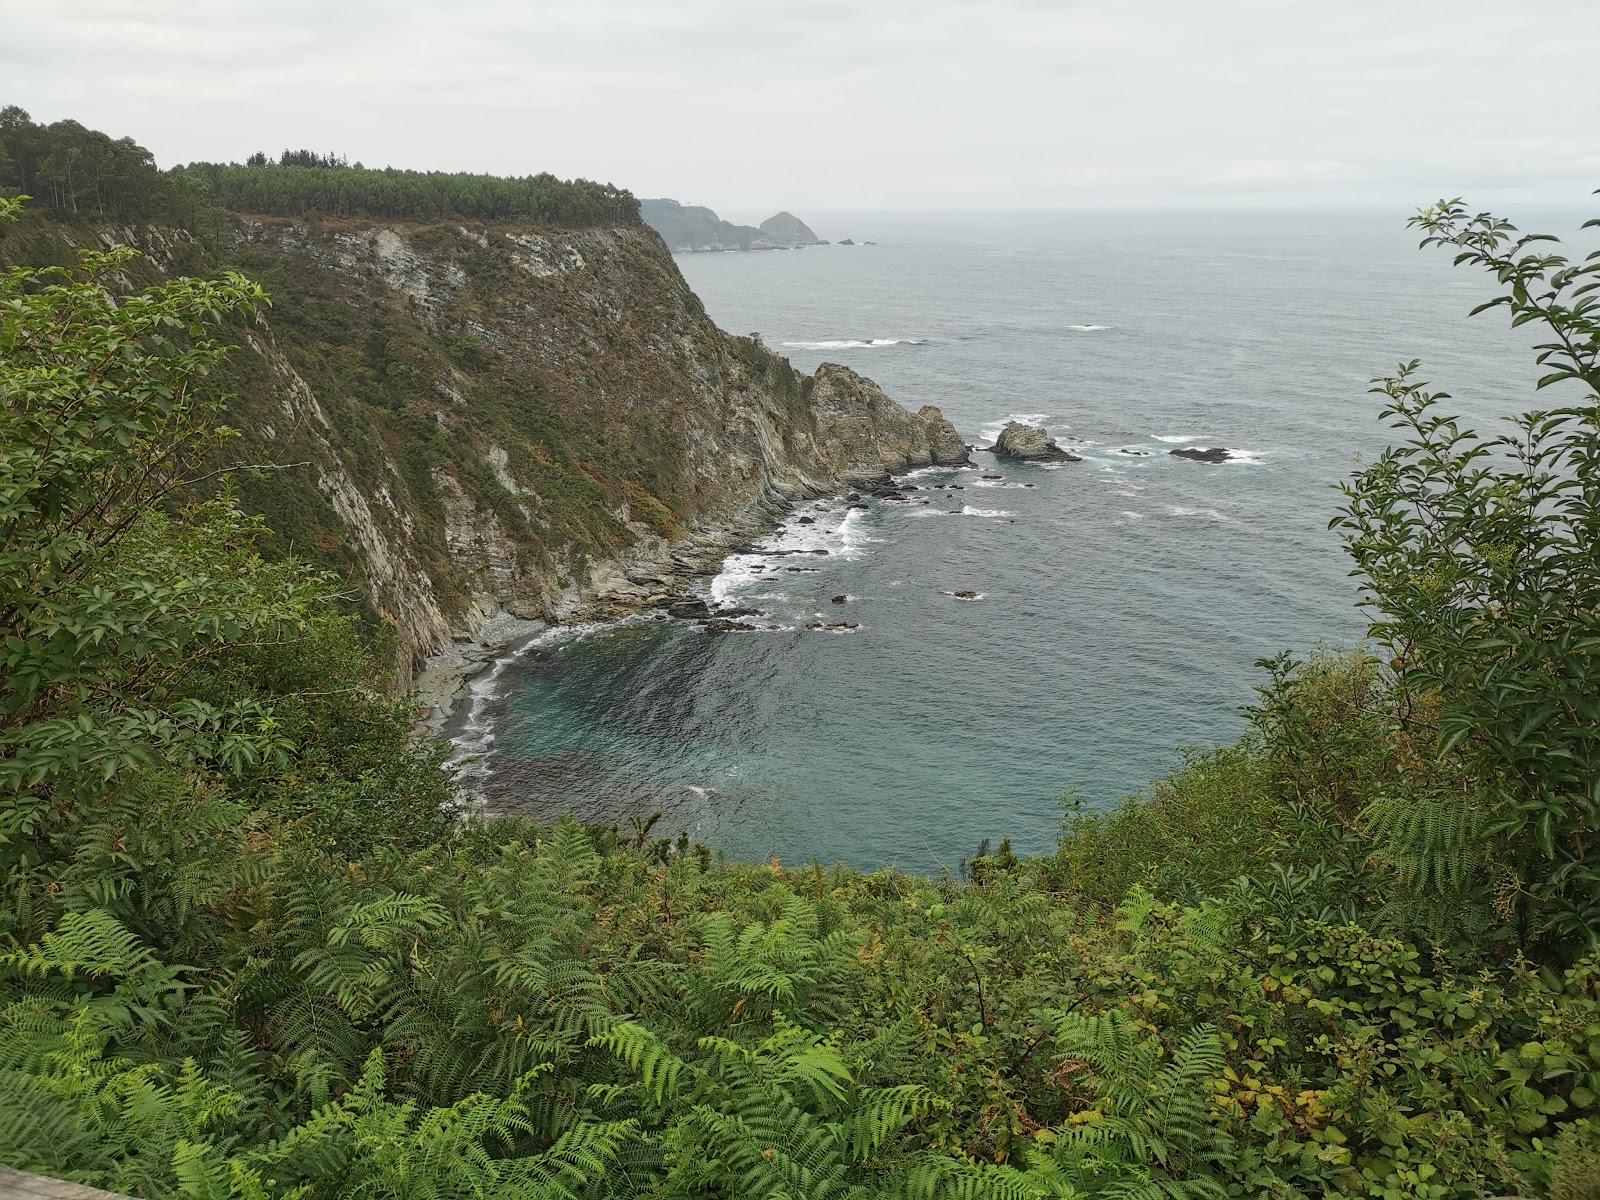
(249, 948)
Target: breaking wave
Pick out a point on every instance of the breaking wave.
(854, 343)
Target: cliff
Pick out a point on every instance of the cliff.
(504, 418)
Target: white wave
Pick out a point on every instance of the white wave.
(1131, 515)
(968, 510)
(924, 472)
(471, 748)
(1209, 514)
(854, 343)
(1177, 439)
(1087, 328)
(835, 531)
(995, 483)
(1243, 458)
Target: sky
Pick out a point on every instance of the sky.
(750, 106)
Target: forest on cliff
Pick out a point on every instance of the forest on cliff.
(252, 946)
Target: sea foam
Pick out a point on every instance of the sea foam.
(854, 343)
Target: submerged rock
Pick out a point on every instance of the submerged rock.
(1029, 443)
(965, 594)
(1209, 454)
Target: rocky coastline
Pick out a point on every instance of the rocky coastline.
(661, 576)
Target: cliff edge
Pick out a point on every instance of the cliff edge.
(502, 418)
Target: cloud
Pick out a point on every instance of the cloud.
(900, 103)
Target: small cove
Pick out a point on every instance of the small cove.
(1120, 601)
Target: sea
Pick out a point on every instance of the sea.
(1118, 605)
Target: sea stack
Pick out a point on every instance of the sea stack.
(1029, 443)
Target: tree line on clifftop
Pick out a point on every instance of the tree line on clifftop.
(72, 170)
(252, 945)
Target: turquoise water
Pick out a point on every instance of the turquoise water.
(1122, 599)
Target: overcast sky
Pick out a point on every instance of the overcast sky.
(750, 106)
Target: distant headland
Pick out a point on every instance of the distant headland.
(691, 227)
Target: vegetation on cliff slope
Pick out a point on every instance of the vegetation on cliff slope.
(483, 408)
(245, 951)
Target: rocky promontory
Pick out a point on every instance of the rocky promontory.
(1030, 443)
(862, 435)
(687, 228)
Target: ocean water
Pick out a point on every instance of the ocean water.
(1121, 601)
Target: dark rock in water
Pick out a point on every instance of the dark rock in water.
(833, 625)
(1209, 454)
(1030, 485)
(721, 626)
(1134, 453)
(846, 242)
(841, 599)
(853, 496)
(739, 612)
(783, 553)
(690, 610)
(994, 477)
(801, 570)
(965, 594)
(1029, 443)
(806, 521)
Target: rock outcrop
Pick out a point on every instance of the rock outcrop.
(864, 436)
(786, 229)
(1208, 454)
(1029, 443)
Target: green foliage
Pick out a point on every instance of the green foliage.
(1478, 554)
(246, 951)
(299, 188)
(70, 169)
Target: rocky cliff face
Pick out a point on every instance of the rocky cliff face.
(862, 435)
(515, 419)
